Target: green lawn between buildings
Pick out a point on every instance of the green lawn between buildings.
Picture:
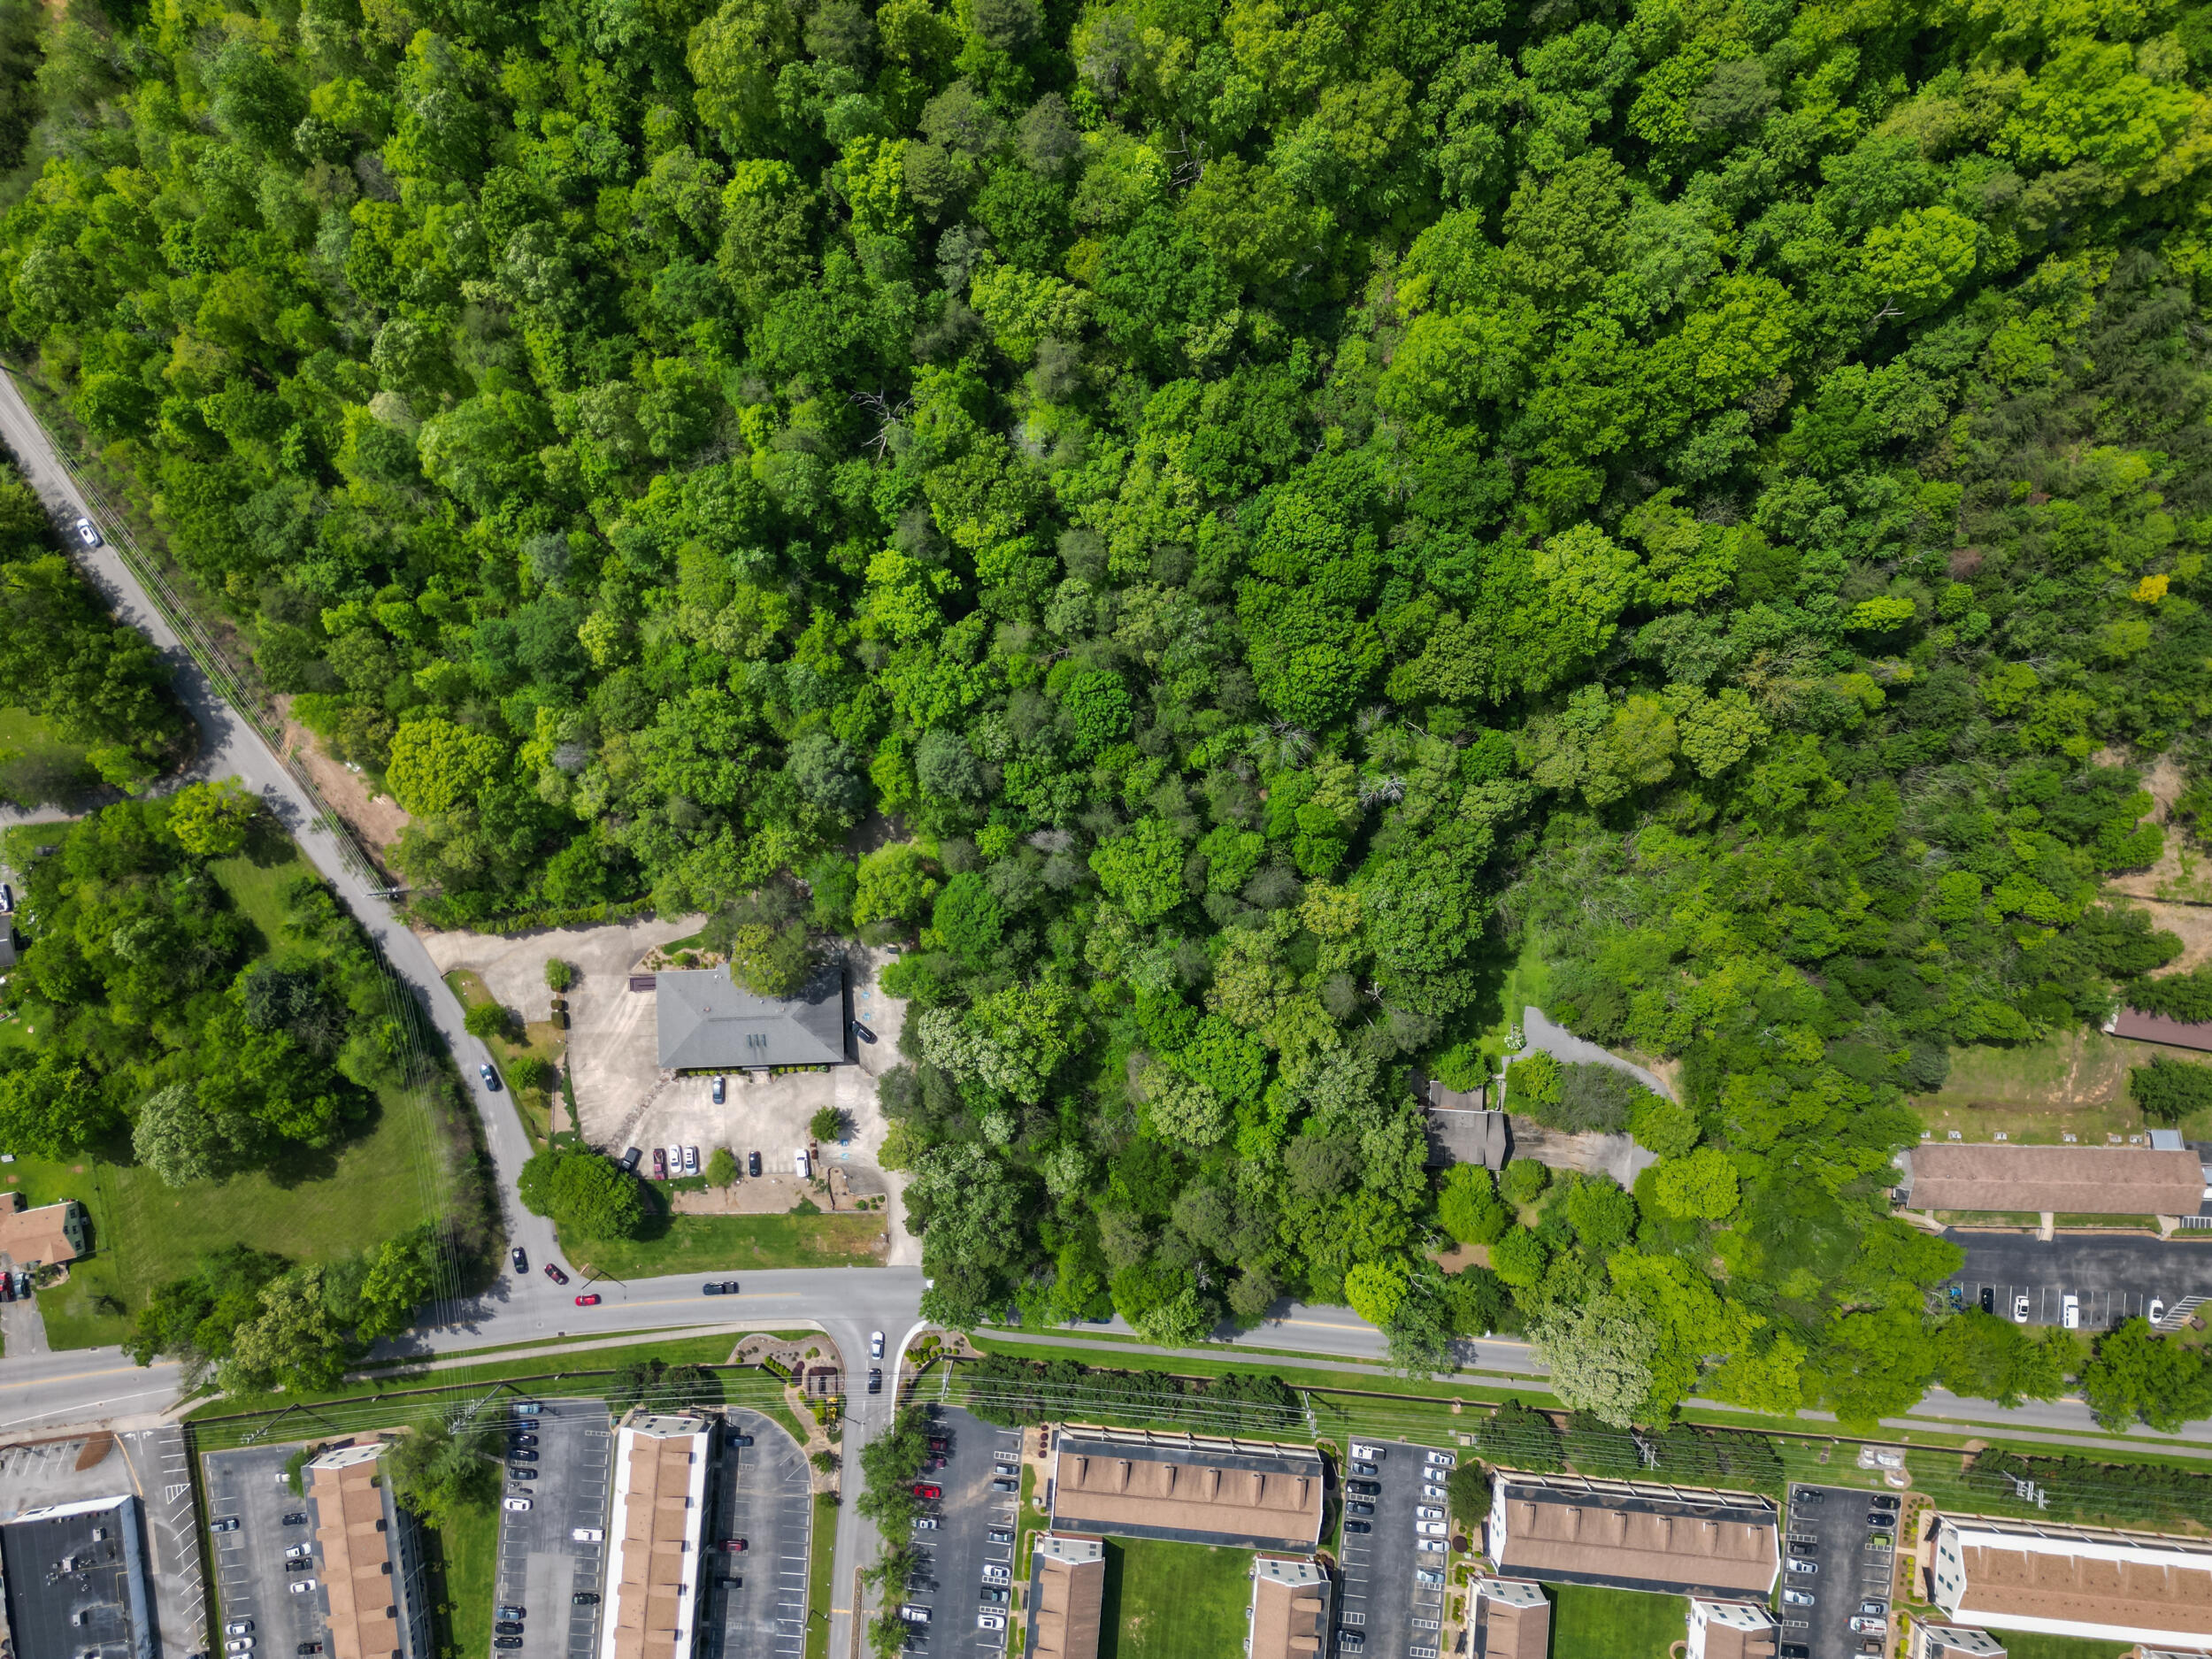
(468, 1560)
(1588, 1623)
(316, 1206)
(2022, 1645)
(1173, 1600)
(821, 1562)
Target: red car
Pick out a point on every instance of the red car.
(929, 1492)
(734, 1546)
(555, 1274)
(660, 1163)
(591, 1301)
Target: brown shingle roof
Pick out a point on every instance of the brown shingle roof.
(1635, 1534)
(1512, 1620)
(2067, 1180)
(1745, 1631)
(655, 1541)
(34, 1235)
(1069, 1593)
(1109, 1486)
(356, 1567)
(2015, 1584)
(1290, 1602)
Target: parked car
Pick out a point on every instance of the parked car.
(228, 1523)
(1359, 1526)
(507, 1643)
(1793, 1650)
(298, 1552)
(926, 1524)
(1808, 1494)
(1798, 1563)
(1364, 1488)
(244, 1644)
(630, 1158)
(999, 1534)
(1880, 1540)
(931, 1493)
(1869, 1627)
(2020, 1310)
(660, 1163)
(297, 1517)
(520, 1258)
(1430, 1528)
(1372, 1454)
(239, 1627)
(1360, 1466)
(1004, 1485)
(303, 1564)
(1423, 1512)
(800, 1166)
(1875, 1517)
(993, 1573)
(691, 1160)
(1427, 1575)
(2156, 1310)
(914, 1613)
(509, 1609)
(752, 1165)
(507, 1627)
(86, 533)
(517, 1438)
(1989, 1299)
(1882, 1501)
(490, 1077)
(1355, 1507)
(737, 1440)
(591, 1301)
(555, 1274)
(1436, 1493)
(521, 1454)
(584, 1598)
(2070, 1311)
(990, 1621)
(515, 1472)
(516, 1506)
(734, 1546)
(1434, 1545)
(1444, 1460)
(310, 1647)
(301, 1586)
(7, 1286)
(675, 1161)
(1798, 1598)
(588, 1534)
(875, 1345)
(1874, 1609)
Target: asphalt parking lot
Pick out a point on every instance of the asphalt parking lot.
(542, 1566)
(2117, 1275)
(960, 1547)
(1397, 1617)
(250, 1575)
(1828, 1526)
(756, 1605)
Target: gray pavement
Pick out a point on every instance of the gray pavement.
(1379, 1596)
(1827, 1527)
(756, 1596)
(542, 1564)
(248, 1485)
(958, 1552)
(2117, 1275)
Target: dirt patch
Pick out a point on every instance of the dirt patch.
(95, 1450)
(375, 819)
(1463, 1255)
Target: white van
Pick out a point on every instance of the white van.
(799, 1163)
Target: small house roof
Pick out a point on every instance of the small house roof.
(708, 1023)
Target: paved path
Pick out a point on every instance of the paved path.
(1569, 1049)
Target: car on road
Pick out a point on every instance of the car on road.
(875, 1345)
(228, 1523)
(752, 1165)
(2070, 1312)
(1798, 1563)
(712, 1288)
(691, 1160)
(239, 1627)
(297, 1517)
(490, 1077)
(590, 1301)
(1359, 1526)
(2020, 1310)
(517, 1506)
(584, 1598)
(660, 1163)
(520, 1258)
(2156, 1310)
(721, 1090)
(990, 1621)
(875, 1379)
(87, 533)
(1798, 1598)
(301, 1586)
(929, 1492)
(555, 1274)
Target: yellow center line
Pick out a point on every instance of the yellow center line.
(81, 1376)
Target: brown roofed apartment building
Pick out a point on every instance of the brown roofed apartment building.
(1289, 1614)
(1512, 1619)
(1067, 1593)
(1633, 1535)
(2059, 1180)
(2093, 1582)
(371, 1563)
(1731, 1630)
(1952, 1641)
(1243, 1494)
(653, 1545)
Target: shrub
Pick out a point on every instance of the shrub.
(2168, 1091)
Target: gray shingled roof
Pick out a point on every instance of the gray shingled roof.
(707, 1023)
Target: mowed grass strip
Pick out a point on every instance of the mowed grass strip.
(1174, 1601)
(468, 1548)
(1594, 1624)
(694, 1244)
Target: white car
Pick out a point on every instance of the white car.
(1426, 1514)
(299, 1552)
(1423, 1575)
(1430, 1528)
(1372, 1454)
(301, 1586)
(86, 533)
(588, 1534)
(244, 1644)
(993, 1573)
(1437, 1492)
(239, 1627)
(1797, 1564)
(926, 1524)
(1443, 1460)
(516, 1506)
(691, 1160)
(675, 1160)
(2070, 1312)
(2020, 1310)
(990, 1621)
(875, 1345)
(1797, 1598)
(2156, 1310)
(1433, 1544)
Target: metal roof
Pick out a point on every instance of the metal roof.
(707, 1023)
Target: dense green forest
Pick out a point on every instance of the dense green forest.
(1280, 506)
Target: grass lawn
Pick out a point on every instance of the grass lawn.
(2073, 1083)
(468, 1549)
(696, 1244)
(1594, 1624)
(2024, 1645)
(36, 766)
(820, 1563)
(1173, 1600)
